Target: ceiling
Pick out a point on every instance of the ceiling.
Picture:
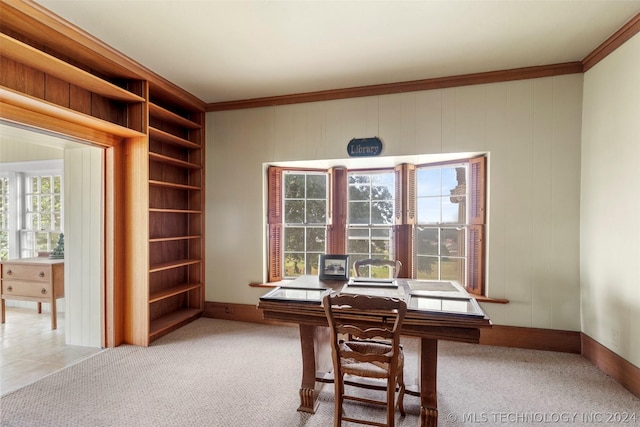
(236, 50)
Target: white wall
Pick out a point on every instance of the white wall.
(610, 207)
(530, 128)
(84, 245)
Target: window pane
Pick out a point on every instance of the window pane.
(427, 268)
(42, 241)
(450, 180)
(454, 213)
(316, 187)
(45, 221)
(359, 212)
(33, 221)
(315, 239)
(453, 241)
(359, 187)
(380, 247)
(428, 182)
(358, 244)
(294, 211)
(293, 264)
(429, 210)
(34, 185)
(294, 186)
(312, 263)
(45, 184)
(316, 212)
(57, 222)
(382, 213)
(382, 187)
(31, 203)
(427, 241)
(452, 269)
(45, 203)
(294, 239)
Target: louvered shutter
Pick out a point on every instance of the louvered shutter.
(476, 230)
(337, 211)
(274, 219)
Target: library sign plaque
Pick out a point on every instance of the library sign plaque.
(364, 147)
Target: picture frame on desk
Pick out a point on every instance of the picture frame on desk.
(333, 267)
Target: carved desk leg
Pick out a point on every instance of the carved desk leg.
(428, 392)
(314, 341)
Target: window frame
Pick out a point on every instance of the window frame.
(405, 217)
(18, 173)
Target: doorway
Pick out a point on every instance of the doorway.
(83, 207)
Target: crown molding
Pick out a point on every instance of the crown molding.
(410, 86)
(628, 30)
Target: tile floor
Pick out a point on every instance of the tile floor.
(30, 350)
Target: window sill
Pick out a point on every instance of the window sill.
(479, 298)
(270, 284)
(482, 298)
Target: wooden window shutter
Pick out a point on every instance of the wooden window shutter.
(399, 204)
(475, 260)
(405, 217)
(405, 187)
(477, 190)
(476, 230)
(337, 212)
(274, 220)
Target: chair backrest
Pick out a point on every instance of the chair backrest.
(387, 315)
(393, 265)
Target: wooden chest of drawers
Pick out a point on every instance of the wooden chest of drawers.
(33, 279)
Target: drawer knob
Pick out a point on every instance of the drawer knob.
(9, 272)
(43, 291)
(41, 274)
(9, 288)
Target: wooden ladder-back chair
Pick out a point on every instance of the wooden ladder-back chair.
(393, 265)
(375, 351)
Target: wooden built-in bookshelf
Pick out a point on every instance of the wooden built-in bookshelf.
(155, 169)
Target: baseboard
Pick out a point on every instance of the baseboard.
(624, 372)
(504, 336)
(238, 312)
(627, 374)
(531, 338)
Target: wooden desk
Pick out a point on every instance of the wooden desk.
(33, 279)
(296, 303)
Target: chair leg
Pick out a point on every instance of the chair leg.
(391, 402)
(337, 401)
(401, 393)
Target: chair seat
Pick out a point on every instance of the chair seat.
(372, 369)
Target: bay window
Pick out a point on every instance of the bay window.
(431, 217)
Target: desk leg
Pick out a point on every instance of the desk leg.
(314, 341)
(54, 314)
(428, 372)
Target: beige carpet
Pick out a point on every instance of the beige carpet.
(223, 373)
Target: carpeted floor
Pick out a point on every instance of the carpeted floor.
(223, 373)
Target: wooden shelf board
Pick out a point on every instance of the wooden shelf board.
(171, 239)
(169, 138)
(173, 264)
(184, 211)
(163, 323)
(56, 111)
(27, 55)
(173, 185)
(166, 293)
(164, 114)
(172, 161)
